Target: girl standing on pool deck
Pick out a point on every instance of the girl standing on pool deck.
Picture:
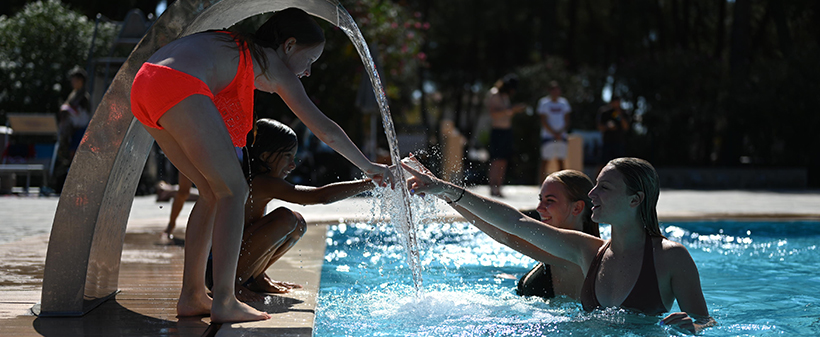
(195, 97)
(637, 269)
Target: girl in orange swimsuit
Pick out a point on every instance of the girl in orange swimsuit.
(195, 97)
(638, 269)
(157, 88)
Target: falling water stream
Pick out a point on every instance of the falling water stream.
(401, 215)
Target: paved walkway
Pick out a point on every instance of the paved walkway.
(25, 225)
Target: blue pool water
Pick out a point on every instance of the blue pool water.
(758, 278)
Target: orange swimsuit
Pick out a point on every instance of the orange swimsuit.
(157, 88)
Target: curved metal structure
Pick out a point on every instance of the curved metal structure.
(84, 251)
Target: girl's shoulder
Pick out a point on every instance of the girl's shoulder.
(671, 251)
(197, 47)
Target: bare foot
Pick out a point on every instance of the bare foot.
(195, 305)
(265, 284)
(165, 191)
(290, 285)
(166, 238)
(246, 295)
(235, 311)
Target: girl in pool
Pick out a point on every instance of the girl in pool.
(195, 97)
(267, 237)
(562, 203)
(637, 269)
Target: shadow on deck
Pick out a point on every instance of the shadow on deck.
(150, 281)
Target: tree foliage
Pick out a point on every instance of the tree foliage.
(710, 83)
(40, 44)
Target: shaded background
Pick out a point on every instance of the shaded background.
(710, 84)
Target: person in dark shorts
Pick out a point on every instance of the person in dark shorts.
(501, 136)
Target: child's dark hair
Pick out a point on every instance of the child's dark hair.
(271, 137)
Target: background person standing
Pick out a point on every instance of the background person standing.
(72, 120)
(501, 135)
(554, 111)
(613, 123)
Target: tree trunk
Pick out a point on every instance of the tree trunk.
(569, 52)
(661, 25)
(425, 118)
(721, 30)
(685, 31)
(599, 47)
(761, 30)
(549, 28)
(783, 34)
(740, 44)
(739, 70)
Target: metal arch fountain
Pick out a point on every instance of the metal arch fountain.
(85, 246)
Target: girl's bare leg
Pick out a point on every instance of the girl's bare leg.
(194, 299)
(262, 239)
(498, 168)
(196, 141)
(264, 283)
(180, 197)
(272, 236)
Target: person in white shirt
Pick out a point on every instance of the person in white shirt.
(554, 111)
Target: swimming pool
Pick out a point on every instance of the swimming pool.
(758, 278)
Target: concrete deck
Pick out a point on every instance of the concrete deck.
(150, 275)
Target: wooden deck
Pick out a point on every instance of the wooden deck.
(150, 281)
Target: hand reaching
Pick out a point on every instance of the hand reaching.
(685, 322)
(421, 183)
(381, 175)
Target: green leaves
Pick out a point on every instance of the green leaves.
(40, 44)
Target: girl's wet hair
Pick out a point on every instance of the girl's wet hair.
(282, 25)
(640, 176)
(271, 137)
(577, 186)
(289, 23)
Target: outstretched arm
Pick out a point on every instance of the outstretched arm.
(330, 193)
(276, 188)
(293, 93)
(576, 247)
(516, 243)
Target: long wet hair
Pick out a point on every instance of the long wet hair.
(271, 137)
(577, 186)
(282, 25)
(640, 176)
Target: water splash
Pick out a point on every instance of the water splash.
(401, 214)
